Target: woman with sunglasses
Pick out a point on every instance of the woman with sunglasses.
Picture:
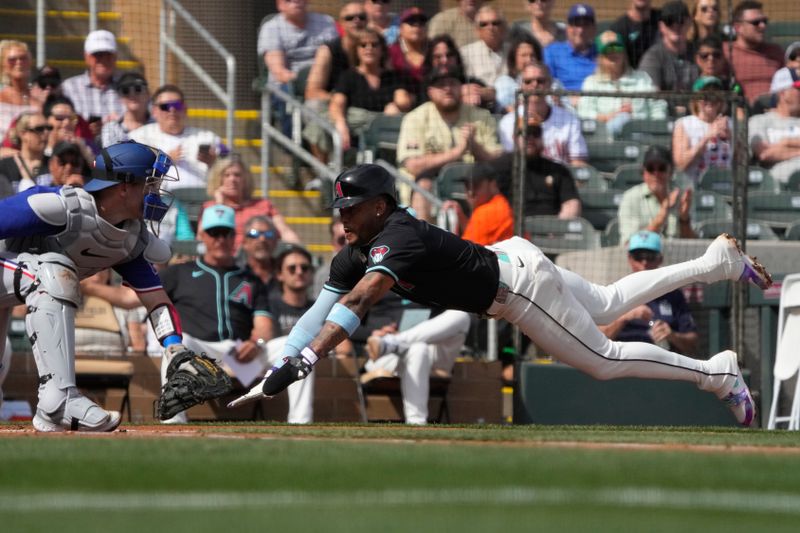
(135, 97)
(523, 51)
(613, 74)
(442, 54)
(30, 133)
(407, 55)
(67, 126)
(230, 183)
(16, 74)
(702, 140)
(705, 21)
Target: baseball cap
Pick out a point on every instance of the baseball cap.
(792, 48)
(674, 12)
(609, 41)
(645, 240)
(784, 78)
(131, 79)
(579, 11)
(47, 75)
(100, 41)
(445, 73)
(218, 216)
(412, 12)
(704, 82)
(657, 154)
(65, 147)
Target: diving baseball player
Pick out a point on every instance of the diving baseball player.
(388, 249)
(55, 236)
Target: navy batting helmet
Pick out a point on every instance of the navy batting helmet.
(361, 183)
(127, 162)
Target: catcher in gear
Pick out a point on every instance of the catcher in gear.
(56, 236)
(388, 249)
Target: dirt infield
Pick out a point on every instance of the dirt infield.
(436, 435)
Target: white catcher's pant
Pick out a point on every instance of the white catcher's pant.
(558, 310)
(432, 344)
(301, 394)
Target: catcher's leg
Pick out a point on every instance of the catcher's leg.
(5, 349)
(50, 325)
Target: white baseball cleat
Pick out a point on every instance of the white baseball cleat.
(725, 253)
(256, 393)
(77, 413)
(738, 397)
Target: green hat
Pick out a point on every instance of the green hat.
(609, 41)
(705, 82)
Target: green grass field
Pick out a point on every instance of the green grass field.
(278, 478)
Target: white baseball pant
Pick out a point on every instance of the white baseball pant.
(430, 345)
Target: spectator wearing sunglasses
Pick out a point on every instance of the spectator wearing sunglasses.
(792, 55)
(94, 92)
(30, 134)
(231, 183)
(669, 62)
(135, 96)
(638, 27)
(705, 22)
(261, 241)
(571, 61)
(485, 58)
(753, 59)
(382, 19)
(655, 204)
(665, 321)
(407, 55)
(457, 22)
(45, 82)
(16, 71)
(66, 166)
(67, 126)
(192, 150)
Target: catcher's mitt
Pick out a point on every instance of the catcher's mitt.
(191, 379)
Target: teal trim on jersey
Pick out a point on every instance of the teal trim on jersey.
(226, 303)
(263, 313)
(218, 297)
(334, 289)
(385, 270)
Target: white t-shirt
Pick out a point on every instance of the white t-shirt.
(191, 171)
(771, 128)
(716, 155)
(561, 134)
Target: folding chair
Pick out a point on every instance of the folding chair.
(787, 354)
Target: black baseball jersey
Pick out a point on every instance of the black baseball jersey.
(215, 303)
(429, 265)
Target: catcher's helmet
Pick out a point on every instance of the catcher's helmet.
(361, 183)
(127, 162)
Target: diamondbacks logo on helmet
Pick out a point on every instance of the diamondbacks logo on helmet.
(339, 192)
(377, 253)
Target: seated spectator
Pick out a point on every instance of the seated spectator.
(338, 241)
(615, 75)
(669, 62)
(774, 136)
(541, 27)
(259, 246)
(290, 39)
(703, 139)
(46, 81)
(638, 28)
(573, 60)
(457, 22)
(135, 97)
(665, 321)
(655, 205)
(192, 150)
(231, 183)
(68, 126)
(492, 219)
(754, 61)
(792, 55)
(362, 92)
(442, 53)
(383, 20)
(711, 61)
(549, 186)
(407, 55)
(16, 73)
(522, 52)
(334, 57)
(30, 133)
(441, 131)
(485, 58)
(66, 166)
(94, 92)
(705, 22)
(561, 130)
(426, 349)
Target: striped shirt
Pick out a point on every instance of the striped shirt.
(90, 100)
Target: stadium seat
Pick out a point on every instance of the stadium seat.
(710, 206)
(626, 176)
(593, 130)
(587, 177)
(793, 184)
(379, 141)
(600, 206)
(450, 181)
(779, 210)
(554, 235)
(648, 131)
(720, 180)
(610, 235)
(606, 156)
(792, 232)
(758, 231)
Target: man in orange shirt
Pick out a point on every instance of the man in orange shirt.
(492, 219)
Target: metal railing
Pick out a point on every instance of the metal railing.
(227, 96)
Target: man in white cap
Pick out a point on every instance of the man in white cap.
(94, 92)
(775, 136)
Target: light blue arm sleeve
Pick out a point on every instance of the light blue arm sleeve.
(310, 323)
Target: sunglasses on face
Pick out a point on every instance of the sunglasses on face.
(444, 56)
(62, 118)
(71, 161)
(176, 105)
(706, 55)
(380, 1)
(46, 84)
(302, 267)
(16, 59)
(217, 233)
(533, 131)
(538, 1)
(653, 169)
(255, 234)
(369, 44)
(359, 16)
(644, 255)
(487, 23)
(706, 9)
(538, 81)
(132, 89)
(758, 22)
(416, 21)
(39, 129)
